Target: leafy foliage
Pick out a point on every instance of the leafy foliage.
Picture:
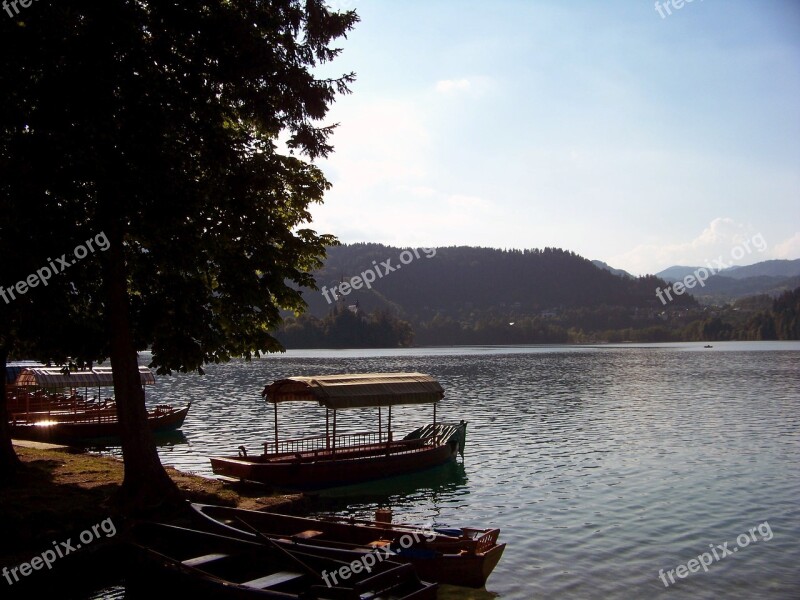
(176, 130)
(162, 122)
(344, 328)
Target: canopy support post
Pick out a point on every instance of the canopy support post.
(327, 429)
(435, 431)
(380, 425)
(389, 427)
(276, 427)
(334, 431)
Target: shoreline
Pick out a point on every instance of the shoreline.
(63, 491)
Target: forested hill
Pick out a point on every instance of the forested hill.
(460, 281)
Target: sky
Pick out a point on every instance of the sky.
(613, 129)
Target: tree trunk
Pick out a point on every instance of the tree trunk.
(146, 484)
(9, 461)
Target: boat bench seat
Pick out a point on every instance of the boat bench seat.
(203, 560)
(307, 534)
(272, 580)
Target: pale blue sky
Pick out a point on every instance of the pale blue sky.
(599, 127)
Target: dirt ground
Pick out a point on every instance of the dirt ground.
(61, 492)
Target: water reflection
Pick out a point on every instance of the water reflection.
(432, 487)
(165, 442)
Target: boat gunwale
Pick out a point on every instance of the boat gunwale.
(340, 454)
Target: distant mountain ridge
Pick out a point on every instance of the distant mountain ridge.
(601, 265)
(374, 295)
(460, 281)
(767, 277)
(768, 268)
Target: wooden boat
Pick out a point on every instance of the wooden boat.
(186, 561)
(89, 424)
(332, 460)
(457, 556)
(45, 405)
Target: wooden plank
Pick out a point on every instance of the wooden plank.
(307, 534)
(205, 559)
(272, 580)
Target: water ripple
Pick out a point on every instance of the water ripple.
(601, 465)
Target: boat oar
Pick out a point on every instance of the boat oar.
(276, 545)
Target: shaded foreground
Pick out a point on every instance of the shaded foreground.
(61, 495)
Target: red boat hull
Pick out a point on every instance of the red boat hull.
(331, 472)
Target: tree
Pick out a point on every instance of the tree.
(786, 314)
(175, 128)
(42, 316)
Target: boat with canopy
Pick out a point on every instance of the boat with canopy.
(46, 404)
(335, 459)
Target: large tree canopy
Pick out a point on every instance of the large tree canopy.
(184, 132)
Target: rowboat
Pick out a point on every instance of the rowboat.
(167, 559)
(45, 404)
(455, 556)
(332, 460)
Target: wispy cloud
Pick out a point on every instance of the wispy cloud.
(717, 239)
(789, 248)
(470, 202)
(446, 86)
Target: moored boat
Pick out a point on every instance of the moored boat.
(92, 424)
(456, 556)
(169, 558)
(332, 460)
(45, 404)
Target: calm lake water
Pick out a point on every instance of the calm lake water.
(601, 465)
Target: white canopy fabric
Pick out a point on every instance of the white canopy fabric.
(54, 377)
(357, 390)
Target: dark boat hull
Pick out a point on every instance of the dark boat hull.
(79, 430)
(184, 561)
(436, 557)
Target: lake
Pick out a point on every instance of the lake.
(604, 466)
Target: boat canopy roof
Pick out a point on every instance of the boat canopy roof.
(357, 390)
(54, 377)
(14, 368)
